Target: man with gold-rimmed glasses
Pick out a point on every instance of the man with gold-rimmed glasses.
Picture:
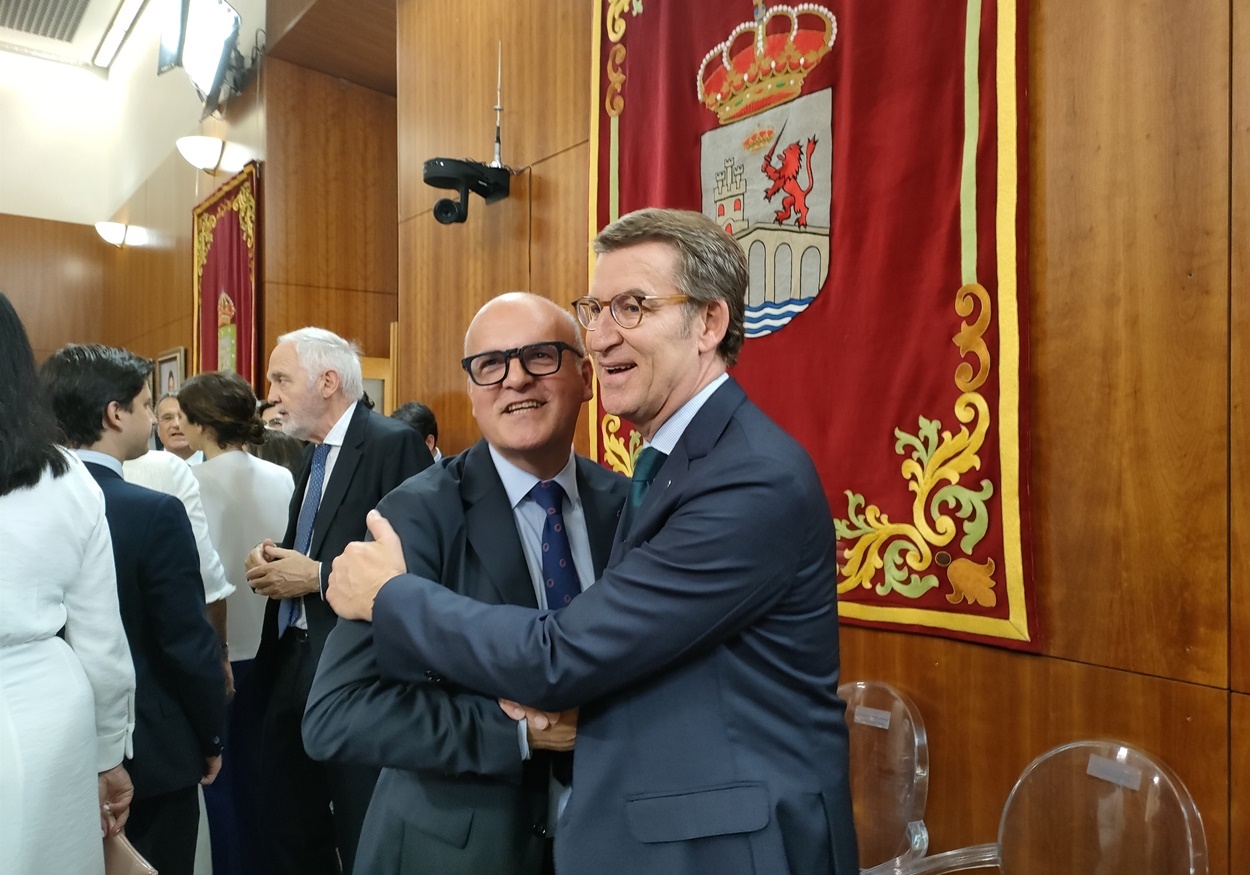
(705, 660)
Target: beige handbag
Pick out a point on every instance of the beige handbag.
(121, 858)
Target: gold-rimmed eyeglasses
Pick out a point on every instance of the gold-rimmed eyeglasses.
(627, 308)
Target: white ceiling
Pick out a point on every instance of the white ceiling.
(75, 143)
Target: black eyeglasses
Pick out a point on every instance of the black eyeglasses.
(538, 360)
(626, 308)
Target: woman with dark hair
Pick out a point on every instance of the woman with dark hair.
(246, 500)
(67, 703)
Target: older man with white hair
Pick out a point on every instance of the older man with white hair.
(354, 457)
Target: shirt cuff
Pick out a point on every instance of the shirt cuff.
(522, 737)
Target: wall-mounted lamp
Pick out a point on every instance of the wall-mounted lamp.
(202, 152)
(119, 234)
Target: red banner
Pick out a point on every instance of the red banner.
(226, 278)
(868, 157)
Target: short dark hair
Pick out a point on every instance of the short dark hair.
(224, 403)
(28, 434)
(419, 417)
(83, 380)
(710, 265)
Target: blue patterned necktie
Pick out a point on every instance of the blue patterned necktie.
(646, 466)
(288, 611)
(560, 579)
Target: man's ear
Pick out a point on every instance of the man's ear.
(329, 383)
(588, 378)
(112, 419)
(715, 325)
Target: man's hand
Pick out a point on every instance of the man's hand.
(256, 556)
(360, 570)
(228, 671)
(545, 730)
(284, 574)
(115, 791)
(212, 766)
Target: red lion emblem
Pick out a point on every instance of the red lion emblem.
(786, 176)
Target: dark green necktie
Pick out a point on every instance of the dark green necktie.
(645, 468)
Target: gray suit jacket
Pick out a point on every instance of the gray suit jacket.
(454, 797)
(705, 662)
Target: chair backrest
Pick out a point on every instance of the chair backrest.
(1102, 808)
(889, 772)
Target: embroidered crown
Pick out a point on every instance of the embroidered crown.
(739, 78)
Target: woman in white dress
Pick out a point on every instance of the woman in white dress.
(246, 500)
(66, 703)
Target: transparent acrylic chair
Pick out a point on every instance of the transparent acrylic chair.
(889, 775)
(1093, 808)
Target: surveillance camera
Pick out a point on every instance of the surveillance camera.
(464, 177)
(448, 211)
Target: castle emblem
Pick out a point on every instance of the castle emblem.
(781, 212)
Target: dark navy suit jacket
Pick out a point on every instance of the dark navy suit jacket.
(705, 662)
(377, 454)
(180, 692)
(454, 797)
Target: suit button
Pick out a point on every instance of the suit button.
(540, 830)
(434, 677)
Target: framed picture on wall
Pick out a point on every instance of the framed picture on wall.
(171, 370)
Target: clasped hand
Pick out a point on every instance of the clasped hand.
(278, 573)
(545, 730)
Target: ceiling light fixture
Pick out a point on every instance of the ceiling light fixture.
(122, 22)
(120, 234)
(202, 152)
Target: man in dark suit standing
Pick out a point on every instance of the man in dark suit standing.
(464, 791)
(103, 405)
(354, 457)
(705, 660)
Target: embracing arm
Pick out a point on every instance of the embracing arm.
(720, 561)
(353, 715)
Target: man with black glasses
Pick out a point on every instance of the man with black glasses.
(519, 520)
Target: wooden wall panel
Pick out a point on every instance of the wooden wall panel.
(988, 713)
(448, 272)
(447, 75)
(1128, 280)
(364, 317)
(1239, 776)
(1239, 413)
(560, 252)
(329, 215)
(149, 306)
(348, 39)
(55, 275)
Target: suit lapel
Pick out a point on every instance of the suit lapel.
(340, 478)
(491, 529)
(602, 510)
(297, 498)
(695, 442)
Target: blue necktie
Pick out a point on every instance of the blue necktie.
(646, 466)
(288, 611)
(560, 581)
(559, 574)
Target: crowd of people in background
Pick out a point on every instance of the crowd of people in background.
(296, 619)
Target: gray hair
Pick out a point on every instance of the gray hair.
(319, 351)
(575, 329)
(710, 265)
